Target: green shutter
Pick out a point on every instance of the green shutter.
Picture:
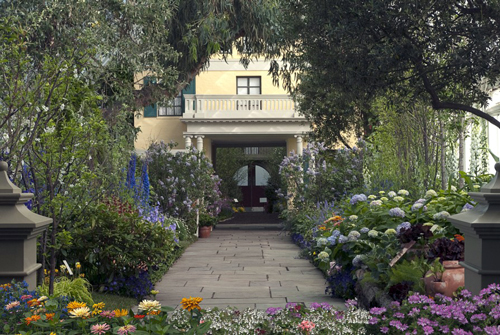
(149, 111)
(189, 89)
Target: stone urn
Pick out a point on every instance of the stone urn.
(205, 231)
(451, 279)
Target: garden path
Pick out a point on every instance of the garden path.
(246, 262)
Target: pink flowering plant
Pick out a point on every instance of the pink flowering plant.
(422, 315)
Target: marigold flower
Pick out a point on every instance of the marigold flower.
(191, 303)
(120, 312)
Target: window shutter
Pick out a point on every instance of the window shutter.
(151, 110)
(189, 89)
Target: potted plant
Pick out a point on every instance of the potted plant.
(206, 222)
(447, 272)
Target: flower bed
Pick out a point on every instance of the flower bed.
(23, 312)
(358, 239)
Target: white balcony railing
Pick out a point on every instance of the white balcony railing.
(239, 106)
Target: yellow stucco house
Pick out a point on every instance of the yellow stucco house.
(228, 105)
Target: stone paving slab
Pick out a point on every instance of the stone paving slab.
(257, 267)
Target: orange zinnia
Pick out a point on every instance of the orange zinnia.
(459, 238)
(50, 316)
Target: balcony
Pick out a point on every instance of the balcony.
(240, 108)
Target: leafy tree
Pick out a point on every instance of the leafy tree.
(347, 53)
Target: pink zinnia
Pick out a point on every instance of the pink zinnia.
(99, 329)
(26, 297)
(306, 325)
(12, 305)
(107, 314)
(128, 329)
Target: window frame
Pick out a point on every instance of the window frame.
(248, 86)
(171, 105)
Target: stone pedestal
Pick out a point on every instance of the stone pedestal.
(19, 228)
(481, 229)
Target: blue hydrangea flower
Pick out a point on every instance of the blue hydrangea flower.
(364, 230)
(342, 239)
(404, 225)
(358, 197)
(467, 207)
(397, 212)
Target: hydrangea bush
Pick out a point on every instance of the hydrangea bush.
(367, 231)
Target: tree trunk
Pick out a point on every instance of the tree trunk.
(461, 151)
(444, 177)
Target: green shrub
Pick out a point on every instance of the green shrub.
(112, 243)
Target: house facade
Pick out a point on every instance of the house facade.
(228, 105)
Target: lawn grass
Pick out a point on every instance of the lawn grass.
(114, 301)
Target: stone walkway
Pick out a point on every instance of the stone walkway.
(244, 265)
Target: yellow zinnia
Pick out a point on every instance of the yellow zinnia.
(99, 305)
(191, 303)
(120, 312)
(75, 304)
(149, 305)
(82, 312)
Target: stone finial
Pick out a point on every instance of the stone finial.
(6, 186)
(19, 228)
(494, 185)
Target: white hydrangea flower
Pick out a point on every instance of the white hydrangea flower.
(403, 192)
(391, 194)
(430, 194)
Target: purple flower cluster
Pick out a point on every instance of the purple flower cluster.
(465, 314)
(397, 212)
(357, 198)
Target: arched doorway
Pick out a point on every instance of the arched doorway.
(252, 180)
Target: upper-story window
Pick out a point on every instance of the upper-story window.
(172, 108)
(248, 85)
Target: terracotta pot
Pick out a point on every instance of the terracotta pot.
(205, 232)
(451, 279)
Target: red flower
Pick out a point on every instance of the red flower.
(139, 316)
(459, 238)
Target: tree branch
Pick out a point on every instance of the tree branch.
(438, 104)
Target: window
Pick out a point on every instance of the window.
(248, 85)
(173, 108)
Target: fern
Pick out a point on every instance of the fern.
(411, 271)
(77, 289)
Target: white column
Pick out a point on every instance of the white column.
(199, 142)
(299, 144)
(187, 143)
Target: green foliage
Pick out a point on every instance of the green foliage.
(207, 220)
(409, 271)
(113, 301)
(346, 54)
(109, 243)
(228, 162)
(77, 289)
